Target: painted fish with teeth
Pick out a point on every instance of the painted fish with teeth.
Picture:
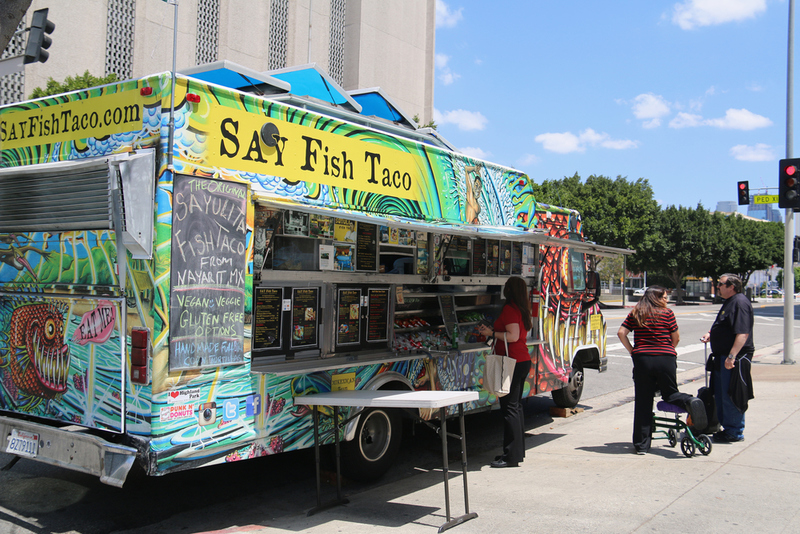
(37, 358)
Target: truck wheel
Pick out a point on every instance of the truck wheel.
(371, 453)
(570, 395)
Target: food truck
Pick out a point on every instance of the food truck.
(184, 255)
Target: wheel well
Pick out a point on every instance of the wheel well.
(586, 358)
(389, 381)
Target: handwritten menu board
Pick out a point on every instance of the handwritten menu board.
(367, 247)
(479, 257)
(207, 276)
(378, 315)
(267, 317)
(305, 307)
(348, 317)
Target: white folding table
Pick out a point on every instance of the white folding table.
(394, 399)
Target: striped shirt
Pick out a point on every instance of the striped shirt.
(654, 337)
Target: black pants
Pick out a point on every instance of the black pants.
(513, 417)
(652, 373)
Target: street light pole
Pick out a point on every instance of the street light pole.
(788, 268)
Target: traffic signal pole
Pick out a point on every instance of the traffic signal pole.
(788, 267)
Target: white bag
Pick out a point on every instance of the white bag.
(499, 371)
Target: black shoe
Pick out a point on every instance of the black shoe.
(724, 437)
(503, 463)
(697, 411)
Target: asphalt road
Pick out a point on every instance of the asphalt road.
(36, 498)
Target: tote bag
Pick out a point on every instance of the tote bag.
(499, 370)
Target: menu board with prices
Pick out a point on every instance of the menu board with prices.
(505, 258)
(267, 318)
(348, 317)
(479, 257)
(305, 308)
(377, 315)
(516, 258)
(367, 247)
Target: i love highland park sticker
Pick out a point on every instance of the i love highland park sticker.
(184, 396)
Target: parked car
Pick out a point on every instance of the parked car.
(777, 293)
(639, 292)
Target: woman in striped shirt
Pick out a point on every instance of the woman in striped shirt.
(655, 363)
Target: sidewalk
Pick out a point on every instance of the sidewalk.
(580, 475)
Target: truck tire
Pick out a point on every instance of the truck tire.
(570, 395)
(373, 450)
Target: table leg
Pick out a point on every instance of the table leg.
(339, 499)
(338, 453)
(463, 437)
(316, 456)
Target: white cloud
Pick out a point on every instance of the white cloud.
(695, 13)
(564, 143)
(686, 120)
(734, 119)
(449, 77)
(465, 120)
(445, 18)
(650, 108)
(441, 61)
(476, 152)
(759, 152)
(740, 119)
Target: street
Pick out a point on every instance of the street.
(37, 498)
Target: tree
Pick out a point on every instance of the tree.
(680, 236)
(617, 213)
(83, 81)
(12, 13)
(610, 268)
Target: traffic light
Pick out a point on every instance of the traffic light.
(789, 183)
(744, 193)
(38, 39)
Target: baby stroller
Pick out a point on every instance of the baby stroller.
(675, 429)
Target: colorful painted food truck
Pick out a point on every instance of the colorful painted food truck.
(178, 266)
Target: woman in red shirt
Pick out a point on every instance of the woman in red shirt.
(655, 363)
(512, 327)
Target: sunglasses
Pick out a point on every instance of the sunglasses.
(726, 284)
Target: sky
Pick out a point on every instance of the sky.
(690, 94)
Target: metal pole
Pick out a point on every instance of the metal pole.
(788, 268)
(172, 92)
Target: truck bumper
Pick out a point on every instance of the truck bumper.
(72, 448)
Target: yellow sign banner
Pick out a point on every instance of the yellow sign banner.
(302, 153)
(595, 322)
(343, 382)
(766, 199)
(80, 119)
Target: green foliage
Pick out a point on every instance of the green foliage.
(617, 213)
(430, 124)
(83, 81)
(780, 280)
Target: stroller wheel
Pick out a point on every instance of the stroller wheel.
(705, 444)
(687, 446)
(673, 437)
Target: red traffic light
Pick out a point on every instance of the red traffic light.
(790, 170)
(742, 186)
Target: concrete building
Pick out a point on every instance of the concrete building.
(360, 43)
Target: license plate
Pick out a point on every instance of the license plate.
(23, 443)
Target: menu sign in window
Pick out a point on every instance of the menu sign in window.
(516, 258)
(348, 317)
(479, 257)
(267, 317)
(209, 251)
(367, 247)
(505, 258)
(305, 307)
(378, 315)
